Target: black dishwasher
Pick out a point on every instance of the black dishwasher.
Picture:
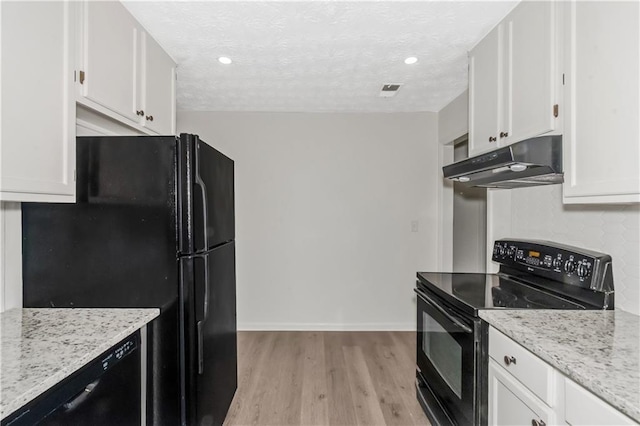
(107, 391)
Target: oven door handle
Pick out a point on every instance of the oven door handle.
(443, 311)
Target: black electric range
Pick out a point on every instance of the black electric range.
(452, 339)
(472, 292)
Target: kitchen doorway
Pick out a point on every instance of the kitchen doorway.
(469, 220)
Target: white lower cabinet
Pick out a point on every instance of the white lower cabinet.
(535, 374)
(511, 403)
(516, 396)
(584, 408)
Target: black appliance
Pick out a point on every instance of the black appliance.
(153, 226)
(531, 162)
(452, 341)
(105, 392)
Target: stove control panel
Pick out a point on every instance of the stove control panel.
(559, 262)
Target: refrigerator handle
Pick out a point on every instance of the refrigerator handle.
(203, 192)
(205, 311)
(200, 348)
(207, 283)
(205, 303)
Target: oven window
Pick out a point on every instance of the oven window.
(444, 352)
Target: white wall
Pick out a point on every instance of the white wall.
(613, 229)
(453, 119)
(324, 205)
(469, 222)
(10, 256)
(453, 122)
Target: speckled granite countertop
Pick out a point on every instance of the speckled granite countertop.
(600, 350)
(41, 347)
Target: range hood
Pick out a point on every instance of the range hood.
(532, 162)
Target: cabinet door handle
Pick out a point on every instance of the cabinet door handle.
(492, 139)
(535, 422)
(509, 359)
(149, 117)
(141, 112)
(504, 134)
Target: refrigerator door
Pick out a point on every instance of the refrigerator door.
(207, 209)
(209, 280)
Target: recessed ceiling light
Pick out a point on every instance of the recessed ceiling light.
(411, 60)
(224, 60)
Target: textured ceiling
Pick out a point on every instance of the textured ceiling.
(317, 56)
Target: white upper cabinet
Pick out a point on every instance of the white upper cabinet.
(159, 88)
(123, 72)
(484, 93)
(37, 151)
(602, 130)
(110, 57)
(513, 79)
(529, 69)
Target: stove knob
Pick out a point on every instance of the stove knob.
(569, 266)
(510, 252)
(583, 270)
(557, 263)
(502, 251)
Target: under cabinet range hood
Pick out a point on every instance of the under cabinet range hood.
(532, 162)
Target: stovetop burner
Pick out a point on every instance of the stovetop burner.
(511, 294)
(534, 301)
(467, 289)
(503, 299)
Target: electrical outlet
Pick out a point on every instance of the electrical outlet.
(414, 226)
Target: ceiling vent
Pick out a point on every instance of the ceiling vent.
(389, 90)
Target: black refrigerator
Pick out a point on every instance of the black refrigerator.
(153, 226)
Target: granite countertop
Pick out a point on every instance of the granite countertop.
(41, 347)
(599, 350)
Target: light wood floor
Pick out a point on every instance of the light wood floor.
(326, 378)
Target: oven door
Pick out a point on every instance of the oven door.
(445, 357)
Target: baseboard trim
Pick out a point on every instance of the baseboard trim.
(276, 326)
